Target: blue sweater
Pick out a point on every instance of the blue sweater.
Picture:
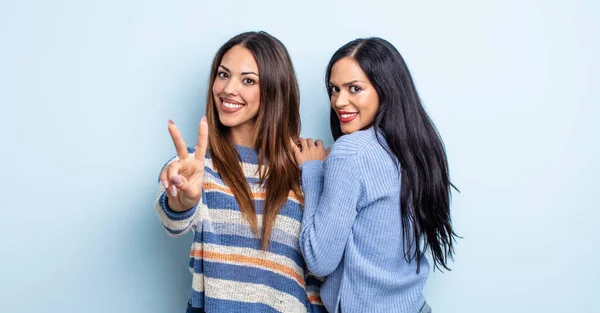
(230, 271)
(352, 229)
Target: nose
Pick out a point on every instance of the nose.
(230, 88)
(340, 100)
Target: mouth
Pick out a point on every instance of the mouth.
(230, 106)
(347, 117)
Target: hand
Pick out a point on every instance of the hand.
(309, 150)
(183, 178)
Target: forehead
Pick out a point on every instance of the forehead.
(239, 58)
(347, 69)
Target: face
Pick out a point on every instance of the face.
(353, 98)
(236, 89)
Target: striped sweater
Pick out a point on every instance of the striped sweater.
(230, 271)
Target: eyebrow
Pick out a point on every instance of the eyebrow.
(243, 73)
(348, 83)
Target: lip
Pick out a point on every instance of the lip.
(228, 109)
(347, 119)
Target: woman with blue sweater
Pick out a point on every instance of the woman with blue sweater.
(380, 199)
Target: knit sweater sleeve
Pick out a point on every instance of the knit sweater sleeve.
(313, 294)
(175, 223)
(332, 192)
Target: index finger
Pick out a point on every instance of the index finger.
(180, 145)
(202, 139)
(303, 145)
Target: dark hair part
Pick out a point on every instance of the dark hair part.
(277, 121)
(413, 141)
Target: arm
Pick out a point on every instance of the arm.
(329, 212)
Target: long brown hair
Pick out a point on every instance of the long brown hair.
(277, 121)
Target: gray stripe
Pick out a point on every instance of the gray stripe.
(278, 236)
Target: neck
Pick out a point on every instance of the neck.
(243, 135)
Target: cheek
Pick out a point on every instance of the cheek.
(217, 88)
(369, 106)
(253, 96)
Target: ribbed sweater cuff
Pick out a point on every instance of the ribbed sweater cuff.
(174, 215)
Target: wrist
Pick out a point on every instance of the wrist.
(176, 205)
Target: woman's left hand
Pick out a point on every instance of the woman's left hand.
(308, 150)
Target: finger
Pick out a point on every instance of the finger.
(310, 142)
(173, 171)
(163, 179)
(180, 182)
(303, 144)
(328, 150)
(180, 145)
(202, 139)
(319, 143)
(295, 147)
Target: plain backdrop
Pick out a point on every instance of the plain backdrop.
(87, 88)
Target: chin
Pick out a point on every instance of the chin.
(228, 122)
(236, 121)
(348, 130)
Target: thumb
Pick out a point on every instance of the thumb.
(180, 182)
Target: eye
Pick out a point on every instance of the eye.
(222, 75)
(333, 89)
(248, 81)
(355, 89)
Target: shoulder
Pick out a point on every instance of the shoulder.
(351, 153)
(354, 144)
(364, 150)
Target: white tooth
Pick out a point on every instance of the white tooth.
(231, 105)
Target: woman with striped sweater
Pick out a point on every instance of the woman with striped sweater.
(238, 190)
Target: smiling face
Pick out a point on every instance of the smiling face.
(353, 97)
(236, 89)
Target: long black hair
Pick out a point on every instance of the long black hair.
(413, 141)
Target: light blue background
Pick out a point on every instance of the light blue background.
(87, 87)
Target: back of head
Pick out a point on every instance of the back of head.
(413, 140)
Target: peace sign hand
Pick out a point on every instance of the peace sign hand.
(183, 178)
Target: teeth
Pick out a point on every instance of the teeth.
(232, 106)
(347, 115)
